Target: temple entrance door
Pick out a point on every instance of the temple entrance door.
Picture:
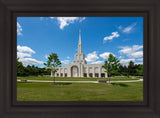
(74, 71)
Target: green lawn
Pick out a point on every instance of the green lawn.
(79, 91)
(77, 78)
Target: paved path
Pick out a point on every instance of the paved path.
(82, 81)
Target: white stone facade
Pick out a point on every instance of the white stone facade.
(80, 68)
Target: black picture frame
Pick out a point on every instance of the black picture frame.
(10, 108)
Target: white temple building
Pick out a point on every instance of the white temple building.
(80, 68)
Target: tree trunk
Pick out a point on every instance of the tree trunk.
(54, 78)
(51, 74)
(109, 80)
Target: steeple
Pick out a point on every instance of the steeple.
(79, 44)
(79, 36)
(79, 57)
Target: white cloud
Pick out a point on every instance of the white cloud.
(68, 57)
(120, 27)
(114, 35)
(23, 52)
(137, 54)
(91, 57)
(46, 56)
(97, 62)
(81, 19)
(41, 18)
(132, 51)
(52, 17)
(28, 61)
(105, 55)
(66, 21)
(126, 61)
(140, 59)
(139, 63)
(65, 61)
(120, 57)
(127, 29)
(19, 29)
(25, 49)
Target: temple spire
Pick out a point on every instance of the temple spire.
(79, 45)
(79, 36)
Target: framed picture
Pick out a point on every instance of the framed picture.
(84, 72)
(79, 59)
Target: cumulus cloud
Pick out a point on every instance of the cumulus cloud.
(52, 17)
(133, 51)
(120, 27)
(140, 59)
(113, 35)
(19, 29)
(41, 18)
(82, 18)
(97, 62)
(105, 55)
(28, 61)
(23, 52)
(139, 63)
(25, 49)
(65, 61)
(120, 57)
(91, 57)
(127, 29)
(66, 21)
(46, 56)
(126, 61)
(68, 57)
(137, 54)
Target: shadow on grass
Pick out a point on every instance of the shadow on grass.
(24, 82)
(62, 83)
(120, 84)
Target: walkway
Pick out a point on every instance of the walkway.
(82, 81)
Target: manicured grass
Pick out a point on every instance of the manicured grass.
(28, 91)
(77, 78)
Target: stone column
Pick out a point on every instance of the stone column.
(106, 75)
(93, 72)
(63, 73)
(79, 70)
(99, 71)
(87, 71)
(68, 71)
(59, 72)
(82, 70)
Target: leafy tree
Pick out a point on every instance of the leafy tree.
(52, 63)
(111, 66)
(20, 68)
(131, 68)
(139, 69)
(30, 70)
(123, 70)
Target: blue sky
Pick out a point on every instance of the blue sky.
(37, 37)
